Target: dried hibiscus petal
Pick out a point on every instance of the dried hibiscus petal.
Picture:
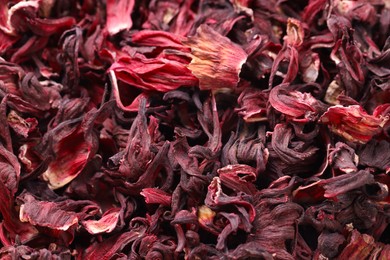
(343, 159)
(292, 41)
(159, 73)
(353, 123)
(253, 105)
(238, 178)
(45, 214)
(216, 60)
(74, 147)
(156, 196)
(106, 224)
(119, 15)
(294, 104)
(372, 155)
(359, 246)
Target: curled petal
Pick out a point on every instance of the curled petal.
(353, 123)
(74, 147)
(294, 103)
(160, 74)
(238, 178)
(106, 224)
(253, 105)
(343, 158)
(295, 33)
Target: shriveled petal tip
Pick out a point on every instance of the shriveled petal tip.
(295, 33)
(20, 125)
(310, 66)
(205, 215)
(353, 123)
(216, 61)
(360, 246)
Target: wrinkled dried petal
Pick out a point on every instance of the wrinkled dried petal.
(216, 61)
(346, 182)
(372, 155)
(343, 158)
(238, 178)
(46, 214)
(353, 123)
(294, 103)
(159, 73)
(73, 148)
(359, 246)
(194, 129)
(253, 105)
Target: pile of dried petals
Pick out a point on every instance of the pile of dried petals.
(212, 129)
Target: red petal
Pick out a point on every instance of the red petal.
(353, 123)
(156, 196)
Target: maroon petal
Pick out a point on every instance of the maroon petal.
(253, 105)
(343, 159)
(109, 247)
(295, 104)
(372, 155)
(74, 147)
(238, 177)
(346, 182)
(160, 39)
(360, 246)
(20, 125)
(46, 214)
